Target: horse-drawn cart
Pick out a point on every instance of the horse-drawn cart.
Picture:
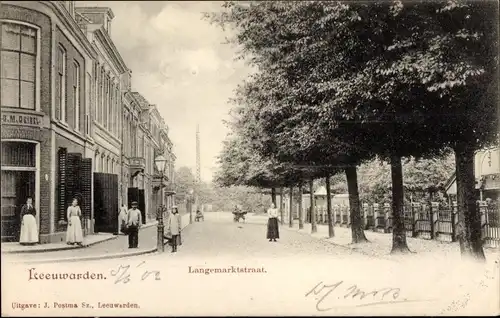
(239, 215)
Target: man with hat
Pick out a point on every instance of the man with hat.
(134, 223)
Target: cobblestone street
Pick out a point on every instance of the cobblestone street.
(298, 261)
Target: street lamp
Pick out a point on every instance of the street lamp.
(160, 162)
(191, 191)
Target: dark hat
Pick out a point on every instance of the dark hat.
(134, 203)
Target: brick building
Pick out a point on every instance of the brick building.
(46, 62)
(71, 127)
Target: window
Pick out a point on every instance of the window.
(19, 64)
(101, 96)
(96, 162)
(88, 90)
(76, 93)
(106, 98)
(61, 85)
(111, 108)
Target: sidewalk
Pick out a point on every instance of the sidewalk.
(89, 240)
(380, 245)
(115, 248)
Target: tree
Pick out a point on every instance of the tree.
(419, 177)
(185, 180)
(389, 77)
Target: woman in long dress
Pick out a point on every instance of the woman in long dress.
(123, 217)
(29, 229)
(272, 224)
(74, 233)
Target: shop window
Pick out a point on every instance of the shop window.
(19, 64)
(18, 154)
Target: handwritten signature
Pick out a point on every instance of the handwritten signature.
(335, 292)
(123, 274)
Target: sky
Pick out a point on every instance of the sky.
(180, 63)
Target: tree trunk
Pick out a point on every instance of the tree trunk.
(469, 217)
(282, 211)
(314, 226)
(301, 208)
(398, 229)
(290, 217)
(331, 232)
(358, 235)
(273, 196)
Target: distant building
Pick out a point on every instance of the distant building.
(487, 171)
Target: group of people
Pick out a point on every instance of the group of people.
(29, 228)
(131, 221)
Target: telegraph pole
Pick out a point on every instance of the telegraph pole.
(198, 163)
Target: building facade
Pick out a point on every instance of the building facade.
(70, 124)
(487, 172)
(43, 118)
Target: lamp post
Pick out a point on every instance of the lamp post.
(191, 191)
(160, 162)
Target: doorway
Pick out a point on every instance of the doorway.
(16, 187)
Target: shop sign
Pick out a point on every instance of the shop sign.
(21, 119)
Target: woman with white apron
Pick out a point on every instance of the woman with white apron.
(29, 229)
(74, 233)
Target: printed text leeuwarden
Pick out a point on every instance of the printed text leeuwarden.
(35, 275)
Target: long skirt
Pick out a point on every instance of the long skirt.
(272, 229)
(74, 233)
(29, 230)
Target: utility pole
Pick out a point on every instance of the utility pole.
(198, 161)
(198, 173)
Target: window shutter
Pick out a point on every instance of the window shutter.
(86, 186)
(62, 156)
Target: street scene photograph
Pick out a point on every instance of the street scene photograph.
(246, 158)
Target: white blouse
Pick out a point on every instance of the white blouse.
(272, 213)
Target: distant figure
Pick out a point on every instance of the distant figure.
(174, 228)
(134, 221)
(272, 224)
(199, 216)
(123, 218)
(29, 230)
(74, 233)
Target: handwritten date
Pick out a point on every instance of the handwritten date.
(123, 274)
(336, 292)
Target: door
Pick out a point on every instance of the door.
(16, 187)
(142, 205)
(137, 195)
(106, 202)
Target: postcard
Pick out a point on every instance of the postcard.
(249, 158)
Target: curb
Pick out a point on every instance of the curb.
(91, 258)
(96, 257)
(69, 247)
(62, 248)
(87, 258)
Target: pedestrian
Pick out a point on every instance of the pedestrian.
(134, 222)
(74, 233)
(174, 228)
(29, 229)
(272, 224)
(122, 219)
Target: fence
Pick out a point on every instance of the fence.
(428, 221)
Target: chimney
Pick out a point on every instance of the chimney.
(101, 16)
